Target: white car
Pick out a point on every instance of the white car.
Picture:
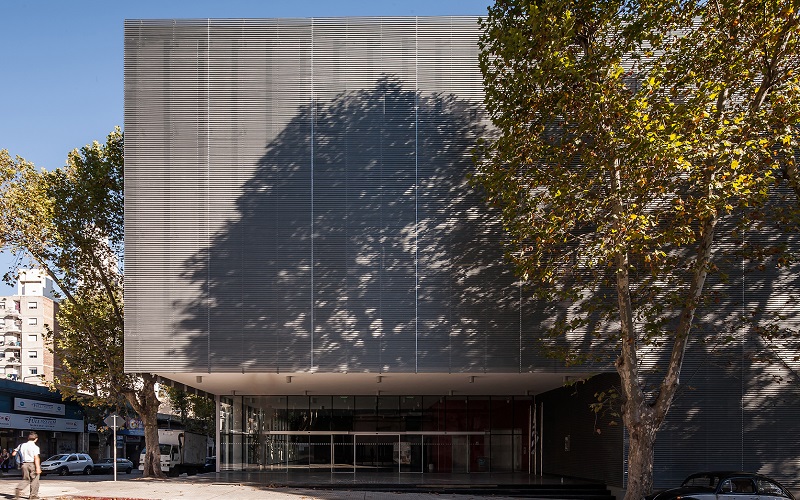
(67, 463)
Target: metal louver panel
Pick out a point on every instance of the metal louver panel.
(296, 200)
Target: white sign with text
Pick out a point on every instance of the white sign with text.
(34, 423)
(34, 406)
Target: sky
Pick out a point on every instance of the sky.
(62, 62)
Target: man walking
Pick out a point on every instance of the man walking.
(31, 466)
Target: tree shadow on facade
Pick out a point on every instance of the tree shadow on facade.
(361, 247)
(742, 367)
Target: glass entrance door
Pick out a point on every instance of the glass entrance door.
(412, 453)
(298, 452)
(343, 453)
(379, 452)
(320, 446)
(275, 451)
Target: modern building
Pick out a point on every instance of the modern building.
(302, 241)
(26, 318)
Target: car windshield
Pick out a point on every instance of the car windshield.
(57, 458)
(706, 480)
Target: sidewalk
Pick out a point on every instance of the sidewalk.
(194, 489)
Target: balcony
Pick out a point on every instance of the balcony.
(12, 328)
(12, 376)
(12, 361)
(13, 313)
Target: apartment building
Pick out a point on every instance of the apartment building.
(26, 317)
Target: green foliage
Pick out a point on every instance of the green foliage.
(69, 222)
(616, 137)
(606, 405)
(196, 412)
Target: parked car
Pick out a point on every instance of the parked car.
(210, 464)
(106, 466)
(67, 463)
(725, 485)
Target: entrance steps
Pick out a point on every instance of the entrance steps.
(586, 491)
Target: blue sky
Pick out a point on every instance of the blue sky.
(61, 84)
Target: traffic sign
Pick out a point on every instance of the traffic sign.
(114, 421)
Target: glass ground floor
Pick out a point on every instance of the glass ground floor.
(360, 434)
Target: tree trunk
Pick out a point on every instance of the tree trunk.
(152, 458)
(145, 403)
(641, 439)
(639, 418)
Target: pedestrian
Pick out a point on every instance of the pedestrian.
(28, 454)
(5, 460)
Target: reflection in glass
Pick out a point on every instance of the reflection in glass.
(456, 434)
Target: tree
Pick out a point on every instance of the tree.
(626, 131)
(69, 222)
(196, 412)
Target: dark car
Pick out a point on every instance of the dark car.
(106, 466)
(725, 486)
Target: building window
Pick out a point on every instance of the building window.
(33, 321)
(2, 304)
(33, 338)
(34, 371)
(33, 305)
(33, 354)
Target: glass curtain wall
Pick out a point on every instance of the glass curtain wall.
(362, 434)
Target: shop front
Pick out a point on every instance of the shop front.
(26, 407)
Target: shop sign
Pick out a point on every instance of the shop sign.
(34, 406)
(131, 432)
(31, 422)
(133, 427)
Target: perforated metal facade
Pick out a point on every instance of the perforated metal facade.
(296, 199)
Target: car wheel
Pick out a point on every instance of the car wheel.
(128, 471)
(87, 470)
(63, 471)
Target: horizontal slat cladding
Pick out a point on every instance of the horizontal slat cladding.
(296, 199)
(739, 405)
